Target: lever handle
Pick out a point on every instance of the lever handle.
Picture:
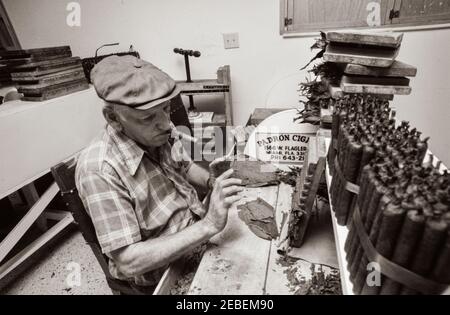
(184, 52)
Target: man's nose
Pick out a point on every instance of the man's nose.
(164, 121)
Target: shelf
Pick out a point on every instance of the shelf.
(218, 120)
(198, 87)
(219, 86)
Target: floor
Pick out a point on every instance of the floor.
(57, 272)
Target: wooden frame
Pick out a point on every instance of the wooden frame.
(387, 24)
(64, 218)
(14, 41)
(417, 20)
(169, 278)
(219, 86)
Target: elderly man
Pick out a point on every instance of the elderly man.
(135, 187)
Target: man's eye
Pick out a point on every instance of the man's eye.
(150, 117)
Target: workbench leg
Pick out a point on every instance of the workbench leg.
(16, 200)
(34, 246)
(22, 227)
(32, 196)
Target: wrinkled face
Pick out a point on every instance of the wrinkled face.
(150, 128)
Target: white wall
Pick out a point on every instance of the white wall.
(265, 69)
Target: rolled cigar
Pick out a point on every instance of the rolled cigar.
(176, 134)
(431, 243)
(361, 272)
(407, 241)
(349, 242)
(336, 185)
(356, 251)
(352, 241)
(372, 182)
(333, 191)
(364, 183)
(351, 168)
(334, 135)
(373, 206)
(341, 128)
(422, 146)
(341, 187)
(330, 156)
(367, 155)
(392, 218)
(441, 270)
(358, 269)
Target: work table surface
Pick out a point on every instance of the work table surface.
(239, 262)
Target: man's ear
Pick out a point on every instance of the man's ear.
(112, 118)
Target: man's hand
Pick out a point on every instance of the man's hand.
(224, 194)
(217, 168)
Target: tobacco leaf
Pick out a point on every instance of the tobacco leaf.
(260, 218)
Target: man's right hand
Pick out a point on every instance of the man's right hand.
(224, 194)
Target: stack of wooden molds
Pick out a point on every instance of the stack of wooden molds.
(367, 62)
(5, 76)
(44, 73)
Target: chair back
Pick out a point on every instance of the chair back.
(64, 175)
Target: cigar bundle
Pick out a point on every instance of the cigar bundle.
(401, 203)
(361, 126)
(405, 213)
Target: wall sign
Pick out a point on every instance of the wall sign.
(281, 141)
(283, 148)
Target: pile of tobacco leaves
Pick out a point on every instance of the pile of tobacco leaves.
(314, 90)
(321, 283)
(289, 177)
(192, 262)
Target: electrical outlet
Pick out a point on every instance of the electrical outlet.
(231, 40)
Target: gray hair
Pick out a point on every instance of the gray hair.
(115, 109)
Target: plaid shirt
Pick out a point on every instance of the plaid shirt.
(131, 196)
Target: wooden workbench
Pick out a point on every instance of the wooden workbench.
(34, 136)
(239, 262)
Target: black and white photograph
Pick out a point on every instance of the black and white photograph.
(237, 150)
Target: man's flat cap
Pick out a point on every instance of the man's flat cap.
(132, 82)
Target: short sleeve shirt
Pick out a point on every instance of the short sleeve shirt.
(132, 196)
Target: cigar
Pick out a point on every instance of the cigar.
(356, 251)
(367, 155)
(441, 270)
(181, 135)
(390, 225)
(336, 182)
(361, 272)
(431, 242)
(351, 167)
(334, 135)
(409, 236)
(339, 187)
